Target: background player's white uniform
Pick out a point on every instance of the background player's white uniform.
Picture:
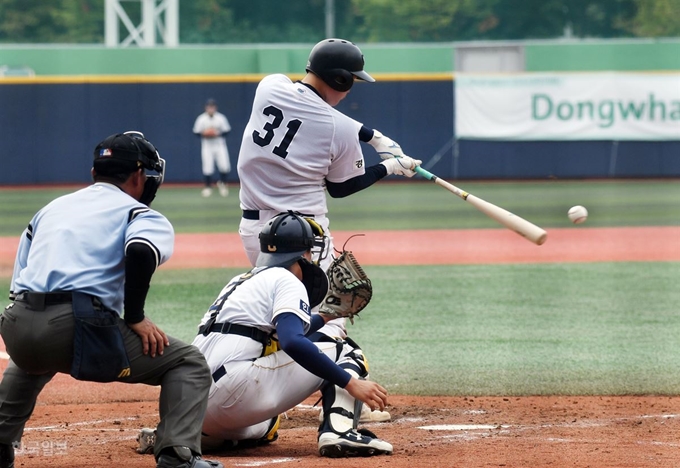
(213, 150)
(255, 389)
(294, 141)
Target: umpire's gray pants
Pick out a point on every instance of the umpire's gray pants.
(40, 344)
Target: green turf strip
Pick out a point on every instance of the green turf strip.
(603, 328)
(413, 204)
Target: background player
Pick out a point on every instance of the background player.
(213, 127)
(296, 145)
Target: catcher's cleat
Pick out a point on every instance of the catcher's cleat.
(353, 443)
(273, 432)
(271, 436)
(368, 416)
(183, 457)
(147, 440)
(6, 456)
(211, 444)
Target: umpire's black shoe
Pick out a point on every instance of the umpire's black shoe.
(6, 456)
(183, 457)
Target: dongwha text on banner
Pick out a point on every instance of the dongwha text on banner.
(578, 106)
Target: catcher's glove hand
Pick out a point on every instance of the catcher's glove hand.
(349, 289)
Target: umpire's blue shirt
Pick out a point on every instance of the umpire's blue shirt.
(77, 243)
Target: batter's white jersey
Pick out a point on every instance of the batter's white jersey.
(294, 141)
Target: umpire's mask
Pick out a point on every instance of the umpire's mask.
(125, 152)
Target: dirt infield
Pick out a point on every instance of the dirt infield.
(79, 424)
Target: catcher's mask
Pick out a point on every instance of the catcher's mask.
(123, 153)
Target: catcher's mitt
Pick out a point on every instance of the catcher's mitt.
(349, 289)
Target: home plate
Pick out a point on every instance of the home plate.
(461, 427)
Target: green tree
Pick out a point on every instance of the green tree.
(655, 18)
(409, 20)
(56, 21)
(457, 20)
(252, 21)
(267, 21)
(539, 19)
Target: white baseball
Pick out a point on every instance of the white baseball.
(577, 214)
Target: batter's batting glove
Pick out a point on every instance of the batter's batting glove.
(402, 166)
(385, 146)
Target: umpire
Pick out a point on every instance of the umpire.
(80, 281)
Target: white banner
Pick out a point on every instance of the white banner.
(578, 106)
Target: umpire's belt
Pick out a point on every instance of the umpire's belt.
(236, 329)
(251, 214)
(39, 301)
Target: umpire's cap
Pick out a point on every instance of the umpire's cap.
(337, 62)
(125, 152)
(285, 239)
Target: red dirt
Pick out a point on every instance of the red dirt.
(79, 424)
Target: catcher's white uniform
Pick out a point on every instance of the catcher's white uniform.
(250, 390)
(293, 142)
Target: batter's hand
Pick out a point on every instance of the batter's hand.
(403, 166)
(385, 146)
(153, 338)
(371, 393)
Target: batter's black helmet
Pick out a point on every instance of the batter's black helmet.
(337, 62)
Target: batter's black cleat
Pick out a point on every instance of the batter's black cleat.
(183, 457)
(353, 443)
(6, 456)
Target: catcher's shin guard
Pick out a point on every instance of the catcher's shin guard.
(338, 436)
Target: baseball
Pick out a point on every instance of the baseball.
(578, 214)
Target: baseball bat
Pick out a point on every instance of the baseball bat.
(510, 220)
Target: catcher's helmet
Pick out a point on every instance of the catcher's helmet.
(284, 240)
(337, 62)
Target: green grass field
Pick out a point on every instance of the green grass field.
(579, 329)
(415, 204)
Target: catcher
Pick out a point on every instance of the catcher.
(253, 382)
